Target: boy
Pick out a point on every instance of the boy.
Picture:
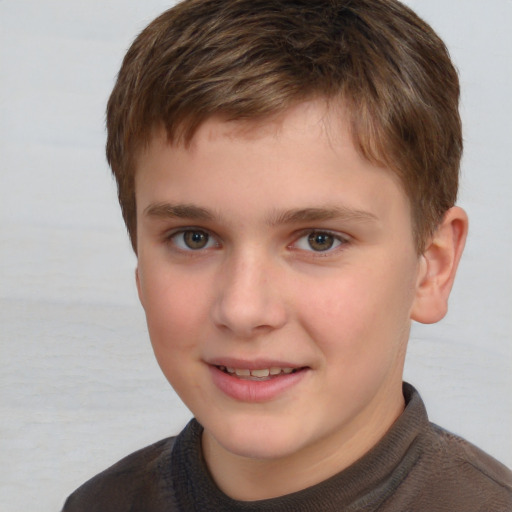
(287, 171)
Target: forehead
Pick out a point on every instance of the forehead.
(304, 128)
(330, 118)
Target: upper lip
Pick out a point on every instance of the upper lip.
(252, 364)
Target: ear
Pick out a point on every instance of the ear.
(438, 266)
(139, 286)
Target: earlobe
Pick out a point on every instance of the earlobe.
(438, 267)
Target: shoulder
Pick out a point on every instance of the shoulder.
(471, 460)
(141, 477)
(459, 476)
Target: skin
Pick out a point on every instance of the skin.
(259, 289)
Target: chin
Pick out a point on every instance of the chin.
(258, 440)
(261, 449)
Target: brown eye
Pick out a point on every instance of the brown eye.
(192, 240)
(195, 239)
(321, 241)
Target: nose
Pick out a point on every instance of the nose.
(249, 297)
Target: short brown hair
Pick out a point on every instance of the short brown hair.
(247, 59)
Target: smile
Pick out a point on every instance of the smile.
(261, 374)
(260, 383)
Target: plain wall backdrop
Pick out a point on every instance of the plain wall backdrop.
(79, 385)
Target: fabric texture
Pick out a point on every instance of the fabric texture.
(416, 467)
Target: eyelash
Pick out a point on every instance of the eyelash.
(338, 240)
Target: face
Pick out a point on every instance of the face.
(278, 272)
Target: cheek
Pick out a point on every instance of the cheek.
(174, 310)
(362, 316)
(175, 320)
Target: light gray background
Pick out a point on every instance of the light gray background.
(79, 386)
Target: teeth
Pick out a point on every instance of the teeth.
(263, 373)
(260, 373)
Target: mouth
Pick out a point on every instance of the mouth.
(262, 374)
(257, 380)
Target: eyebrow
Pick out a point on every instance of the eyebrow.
(320, 214)
(293, 216)
(178, 211)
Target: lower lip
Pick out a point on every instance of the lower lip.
(255, 390)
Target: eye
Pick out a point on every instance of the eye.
(192, 240)
(319, 241)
